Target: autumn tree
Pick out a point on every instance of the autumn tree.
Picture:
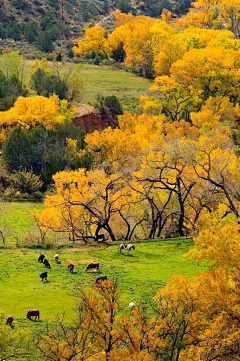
(66, 342)
(136, 39)
(85, 202)
(218, 242)
(217, 164)
(94, 40)
(167, 169)
(199, 75)
(215, 14)
(30, 112)
(93, 336)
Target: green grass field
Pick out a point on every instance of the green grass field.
(103, 80)
(139, 275)
(15, 221)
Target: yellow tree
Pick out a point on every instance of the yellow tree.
(217, 164)
(200, 74)
(29, 112)
(167, 47)
(167, 170)
(215, 13)
(85, 203)
(93, 336)
(218, 241)
(135, 35)
(94, 40)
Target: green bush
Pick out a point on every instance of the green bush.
(25, 181)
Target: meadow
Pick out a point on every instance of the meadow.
(106, 80)
(103, 80)
(139, 274)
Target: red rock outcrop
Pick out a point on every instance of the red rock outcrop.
(93, 121)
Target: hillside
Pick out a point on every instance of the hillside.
(78, 12)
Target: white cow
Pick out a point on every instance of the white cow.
(128, 247)
(131, 306)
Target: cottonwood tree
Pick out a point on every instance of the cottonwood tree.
(94, 335)
(218, 165)
(167, 169)
(93, 194)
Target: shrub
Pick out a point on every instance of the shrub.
(26, 181)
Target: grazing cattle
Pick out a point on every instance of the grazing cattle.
(128, 247)
(92, 266)
(100, 279)
(43, 276)
(41, 258)
(56, 258)
(9, 320)
(131, 306)
(33, 313)
(46, 263)
(70, 266)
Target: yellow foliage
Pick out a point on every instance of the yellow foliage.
(31, 111)
(94, 40)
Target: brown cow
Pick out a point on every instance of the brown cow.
(9, 320)
(70, 266)
(92, 266)
(32, 313)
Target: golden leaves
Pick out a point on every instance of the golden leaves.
(31, 111)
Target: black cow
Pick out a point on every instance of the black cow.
(92, 266)
(32, 313)
(41, 258)
(100, 279)
(46, 263)
(43, 276)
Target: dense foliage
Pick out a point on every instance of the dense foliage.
(43, 151)
(173, 170)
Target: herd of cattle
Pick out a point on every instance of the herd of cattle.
(70, 266)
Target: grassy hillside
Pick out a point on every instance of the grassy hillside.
(139, 274)
(105, 80)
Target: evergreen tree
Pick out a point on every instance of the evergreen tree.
(165, 4)
(119, 53)
(124, 6)
(45, 43)
(30, 32)
(13, 31)
(16, 150)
